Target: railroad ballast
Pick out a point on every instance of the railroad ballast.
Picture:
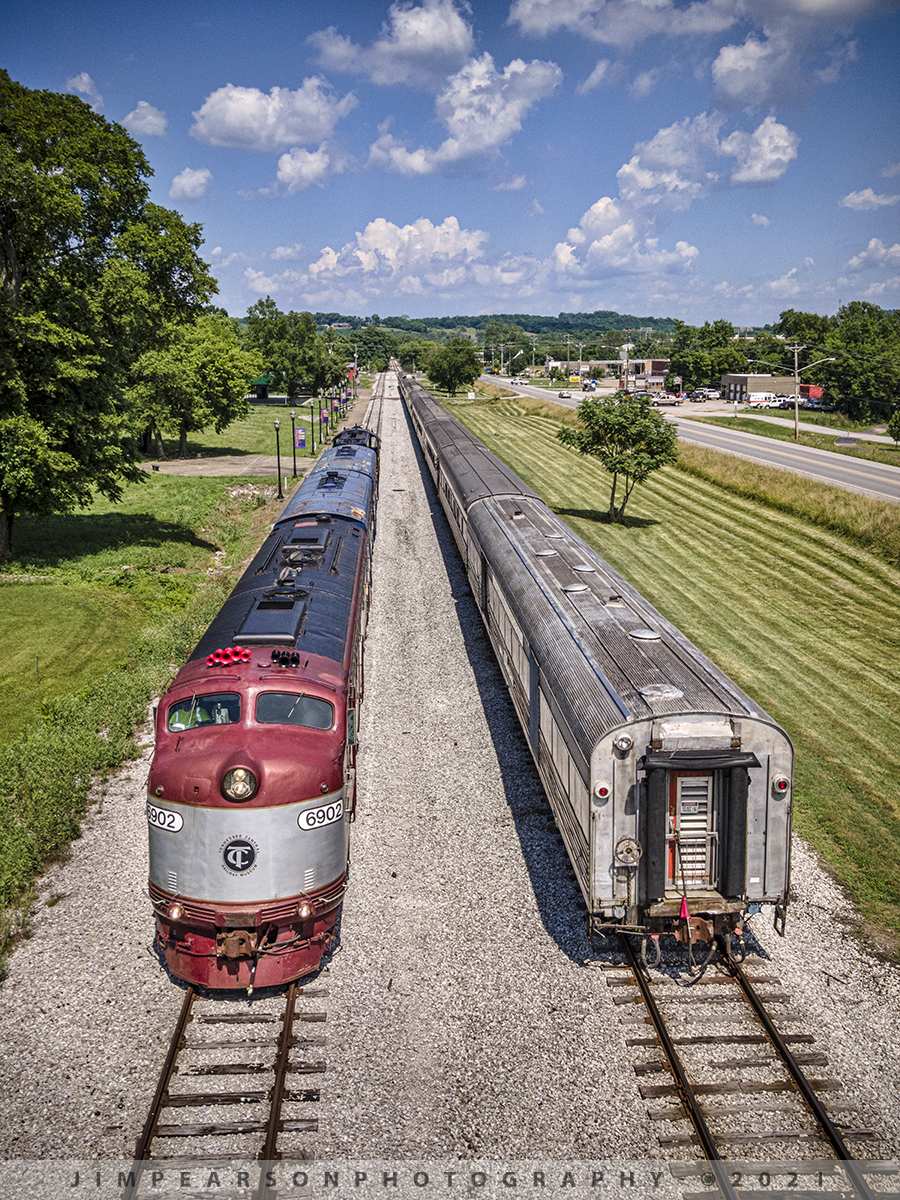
(253, 782)
(671, 788)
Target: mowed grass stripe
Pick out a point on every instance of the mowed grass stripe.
(805, 621)
(868, 695)
(870, 580)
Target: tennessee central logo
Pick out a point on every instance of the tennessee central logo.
(239, 855)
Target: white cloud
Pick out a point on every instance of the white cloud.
(759, 219)
(764, 155)
(287, 252)
(419, 46)
(787, 285)
(85, 86)
(758, 72)
(190, 184)
(623, 22)
(388, 251)
(876, 254)
(220, 259)
(248, 119)
(867, 199)
(603, 73)
(664, 176)
(515, 184)
(146, 121)
(536, 209)
(644, 83)
(891, 170)
(270, 285)
(481, 109)
(877, 291)
(299, 169)
(840, 56)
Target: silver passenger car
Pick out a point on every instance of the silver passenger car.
(671, 788)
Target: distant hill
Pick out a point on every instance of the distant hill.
(600, 321)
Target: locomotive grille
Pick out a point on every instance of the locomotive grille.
(173, 881)
(309, 878)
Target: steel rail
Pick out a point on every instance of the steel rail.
(269, 1151)
(854, 1175)
(685, 1091)
(142, 1149)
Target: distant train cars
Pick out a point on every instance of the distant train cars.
(253, 782)
(671, 788)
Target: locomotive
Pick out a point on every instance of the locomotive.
(253, 781)
(671, 788)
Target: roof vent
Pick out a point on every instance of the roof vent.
(644, 635)
(575, 587)
(582, 567)
(544, 553)
(661, 691)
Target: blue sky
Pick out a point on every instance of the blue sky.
(688, 158)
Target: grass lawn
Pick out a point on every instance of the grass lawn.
(255, 434)
(56, 639)
(84, 585)
(804, 620)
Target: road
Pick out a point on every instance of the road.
(878, 480)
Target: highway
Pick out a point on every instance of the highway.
(878, 480)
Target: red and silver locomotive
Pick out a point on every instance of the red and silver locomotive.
(252, 786)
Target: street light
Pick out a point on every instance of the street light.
(278, 457)
(798, 371)
(294, 441)
(312, 424)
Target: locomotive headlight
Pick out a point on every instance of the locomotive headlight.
(623, 743)
(304, 910)
(239, 784)
(175, 912)
(781, 785)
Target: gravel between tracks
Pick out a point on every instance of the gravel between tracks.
(467, 1017)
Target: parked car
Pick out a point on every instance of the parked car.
(664, 399)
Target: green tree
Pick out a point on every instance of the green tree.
(91, 273)
(414, 354)
(200, 378)
(376, 347)
(893, 425)
(454, 365)
(866, 345)
(628, 437)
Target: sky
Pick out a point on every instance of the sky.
(673, 158)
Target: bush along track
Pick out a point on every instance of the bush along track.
(802, 616)
(46, 773)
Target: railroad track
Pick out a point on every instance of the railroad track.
(235, 1080)
(733, 1075)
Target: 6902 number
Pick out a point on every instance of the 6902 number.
(164, 818)
(315, 818)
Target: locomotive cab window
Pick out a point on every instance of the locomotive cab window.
(224, 708)
(289, 708)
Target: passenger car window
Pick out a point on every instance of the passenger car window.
(224, 708)
(289, 708)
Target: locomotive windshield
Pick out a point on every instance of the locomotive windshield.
(223, 708)
(289, 708)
